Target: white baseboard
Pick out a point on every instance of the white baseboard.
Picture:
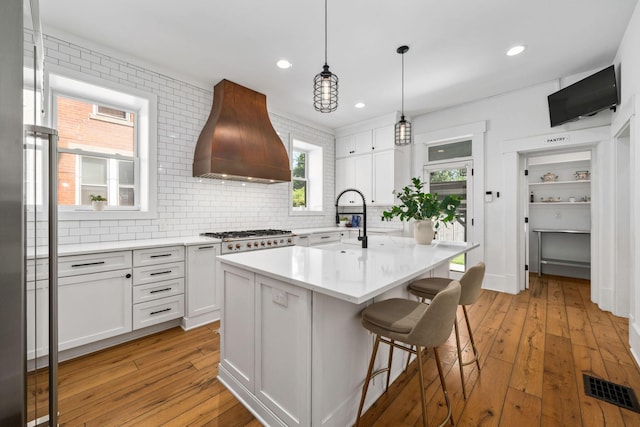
(189, 323)
(605, 300)
(634, 339)
(499, 283)
(248, 400)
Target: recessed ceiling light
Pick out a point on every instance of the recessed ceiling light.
(284, 64)
(516, 50)
(360, 105)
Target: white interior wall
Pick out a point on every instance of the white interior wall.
(627, 63)
(510, 116)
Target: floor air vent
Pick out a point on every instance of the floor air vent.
(610, 392)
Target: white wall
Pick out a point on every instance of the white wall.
(628, 66)
(510, 116)
(188, 205)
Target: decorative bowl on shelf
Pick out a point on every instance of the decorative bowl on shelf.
(549, 177)
(582, 175)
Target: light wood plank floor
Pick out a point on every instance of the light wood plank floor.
(534, 348)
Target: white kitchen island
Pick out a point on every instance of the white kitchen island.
(292, 346)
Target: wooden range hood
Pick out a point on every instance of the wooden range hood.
(238, 141)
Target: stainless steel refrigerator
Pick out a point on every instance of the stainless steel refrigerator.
(22, 402)
(12, 307)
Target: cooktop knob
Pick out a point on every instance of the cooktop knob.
(249, 244)
(269, 242)
(255, 244)
(289, 240)
(262, 243)
(230, 246)
(237, 245)
(275, 242)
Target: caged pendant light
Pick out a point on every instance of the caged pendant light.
(403, 127)
(325, 84)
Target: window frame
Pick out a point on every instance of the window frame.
(77, 85)
(111, 158)
(314, 171)
(301, 179)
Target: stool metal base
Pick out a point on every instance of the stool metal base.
(418, 353)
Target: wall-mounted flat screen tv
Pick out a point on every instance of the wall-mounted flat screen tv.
(590, 95)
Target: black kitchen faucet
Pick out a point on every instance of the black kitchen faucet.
(362, 238)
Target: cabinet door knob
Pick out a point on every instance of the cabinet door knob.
(128, 276)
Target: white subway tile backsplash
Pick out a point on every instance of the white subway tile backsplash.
(188, 205)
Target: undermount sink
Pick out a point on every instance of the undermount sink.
(341, 246)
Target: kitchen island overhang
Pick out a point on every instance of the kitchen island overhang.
(348, 272)
(292, 346)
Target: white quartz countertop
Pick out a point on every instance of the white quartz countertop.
(123, 245)
(345, 270)
(379, 230)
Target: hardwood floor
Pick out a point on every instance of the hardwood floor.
(534, 348)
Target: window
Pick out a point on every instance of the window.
(306, 177)
(106, 147)
(96, 157)
(450, 150)
(299, 173)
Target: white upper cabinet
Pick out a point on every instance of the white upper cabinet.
(383, 138)
(369, 161)
(354, 144)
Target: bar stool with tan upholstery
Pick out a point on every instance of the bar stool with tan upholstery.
(414, 324)
(471, 282)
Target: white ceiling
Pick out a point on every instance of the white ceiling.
(457, 47)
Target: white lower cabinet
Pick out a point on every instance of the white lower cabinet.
(203, 296)
(157, 311)
(158, 281)
(93, 307)
(283, 344)
(271, 328)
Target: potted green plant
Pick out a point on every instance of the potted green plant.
(427, 210)
(343, 221)
(97, 202)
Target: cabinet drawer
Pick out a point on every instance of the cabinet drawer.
(157, 290)
(93, 263)
(156, 273)
(158, 311)
(152, 256)
(317, 239)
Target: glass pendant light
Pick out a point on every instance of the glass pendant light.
(325, 84)
(403, 127)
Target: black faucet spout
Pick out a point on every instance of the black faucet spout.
(364, 239)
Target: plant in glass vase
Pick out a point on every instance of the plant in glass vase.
(427, 210)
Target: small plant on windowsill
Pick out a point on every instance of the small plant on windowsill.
(426, 209)
(97, 202)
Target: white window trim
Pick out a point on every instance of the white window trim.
(315, 160)
(303, 179)
(77, 84)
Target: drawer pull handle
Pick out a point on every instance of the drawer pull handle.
(86, 264)
(205, 247)
(160, 272)
(303, 237)
(155, 291)
(128, 276)
(159, 311)
(325, 237)
(159, 256)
